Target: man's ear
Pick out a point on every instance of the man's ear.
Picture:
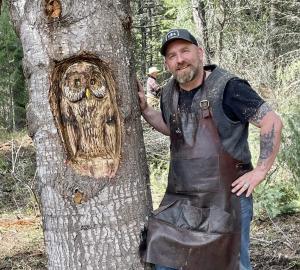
(201, 53)
(165, 64)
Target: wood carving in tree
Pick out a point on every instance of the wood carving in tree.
(83, 115)
(83, 102)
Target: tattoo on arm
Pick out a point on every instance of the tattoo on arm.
(266, 145)
(261, 112)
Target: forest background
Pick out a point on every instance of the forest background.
(257, 40)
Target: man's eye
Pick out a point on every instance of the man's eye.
(77, 82)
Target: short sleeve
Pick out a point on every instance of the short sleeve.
(240, 101)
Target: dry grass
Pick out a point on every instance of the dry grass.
(21, 243)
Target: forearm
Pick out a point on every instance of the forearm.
(270, 135)
(154, 118)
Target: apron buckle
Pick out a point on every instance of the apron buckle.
(204, 105)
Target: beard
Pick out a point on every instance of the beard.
(186, 75)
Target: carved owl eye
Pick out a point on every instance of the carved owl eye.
(77, 83)
(99, 92)
(98, 86)
(72, 88)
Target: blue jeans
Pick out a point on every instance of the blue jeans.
(247, 213)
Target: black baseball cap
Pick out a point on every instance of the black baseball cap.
(176, 34)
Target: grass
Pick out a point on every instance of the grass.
(21, 243)
(6, 136)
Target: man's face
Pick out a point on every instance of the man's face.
(184, 60)
(154, 74)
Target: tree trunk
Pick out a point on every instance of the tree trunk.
(199, 16)
(84, 118)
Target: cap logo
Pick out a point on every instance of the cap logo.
(172, 34)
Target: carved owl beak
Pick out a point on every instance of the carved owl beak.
(87, 92)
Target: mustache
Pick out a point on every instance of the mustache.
(181, 66)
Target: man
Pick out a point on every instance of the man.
(204, 218)
(153, 88)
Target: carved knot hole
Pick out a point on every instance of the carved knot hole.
(78, 196)
(53, 8)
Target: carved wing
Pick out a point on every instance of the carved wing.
(110, 132)
(70, 125)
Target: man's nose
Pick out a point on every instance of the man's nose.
(179, 58)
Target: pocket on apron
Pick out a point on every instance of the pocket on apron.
(193, 218)
(221, 221)
(183, 215)
(196, 175)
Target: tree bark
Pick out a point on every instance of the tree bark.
(199, 16)
(91, 220)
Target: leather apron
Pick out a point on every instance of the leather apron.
(197, 226)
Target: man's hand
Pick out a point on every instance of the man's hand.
(153, 117)
(142, 96)
(247, 182)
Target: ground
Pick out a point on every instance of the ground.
(21, 243)
(275, 244)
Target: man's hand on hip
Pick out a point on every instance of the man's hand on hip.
(247, 182)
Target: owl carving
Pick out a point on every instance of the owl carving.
(88, 119)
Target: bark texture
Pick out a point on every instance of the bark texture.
(88, 223)
(199, 16)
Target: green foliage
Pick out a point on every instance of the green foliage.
(6, 136)
(13, 95)
(288, 78)
(17, 174)
(280, 192)
(290, 153)
(147, 35)
(158, 178)
(3, 165)
(152, 20)
(276, 198)
(178, 14)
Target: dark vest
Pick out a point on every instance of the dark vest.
(234, 135)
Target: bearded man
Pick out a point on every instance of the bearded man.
(203, 221)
